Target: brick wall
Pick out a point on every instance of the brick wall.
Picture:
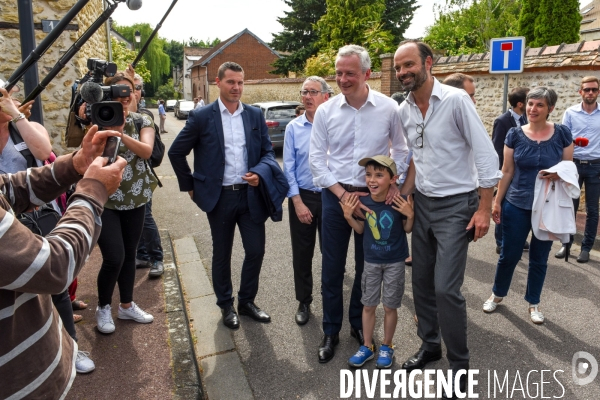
(57, 96)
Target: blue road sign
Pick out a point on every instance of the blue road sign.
(507, 55)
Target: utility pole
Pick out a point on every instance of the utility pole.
(28, 44)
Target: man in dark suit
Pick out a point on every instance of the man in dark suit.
(514, 117)
(228, 138)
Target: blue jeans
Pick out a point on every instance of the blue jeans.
(149, 247)
(589, 175)
(516, 224)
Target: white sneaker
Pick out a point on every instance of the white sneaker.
(491, 304)
(83, 363)
(536, 315)
(104, 319)
(135, 313)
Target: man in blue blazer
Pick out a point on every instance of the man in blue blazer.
(513, 118)
(228, 139)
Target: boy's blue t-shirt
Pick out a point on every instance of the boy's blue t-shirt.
(384, 239)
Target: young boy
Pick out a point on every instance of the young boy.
(385, 248)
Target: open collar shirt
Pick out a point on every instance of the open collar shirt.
(342, 136)
(457, 154)
(295, 156)
(236, 153)
(584, 125)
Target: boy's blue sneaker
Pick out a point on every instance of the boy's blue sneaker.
(363, 355)
(385, 359)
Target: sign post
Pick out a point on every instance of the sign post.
(507, 56)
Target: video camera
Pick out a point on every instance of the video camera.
(100, 107)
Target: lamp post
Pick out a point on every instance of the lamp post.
(138, 38)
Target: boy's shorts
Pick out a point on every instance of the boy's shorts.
(392, 276)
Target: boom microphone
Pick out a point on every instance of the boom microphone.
(91, 92)
(134, 4)
(581, 141)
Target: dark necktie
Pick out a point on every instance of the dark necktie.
(523, 120)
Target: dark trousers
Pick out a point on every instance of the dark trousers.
(516, 224)
(62, 303)
(118, 241)
(439, 248)
(231, 210)
(303, 243)
(149, 248)
(336, 238)
(589, 175)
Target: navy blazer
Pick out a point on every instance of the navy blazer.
(502, 124)
(273, 187)
(203, 133)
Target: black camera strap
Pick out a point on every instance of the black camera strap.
(20, 145)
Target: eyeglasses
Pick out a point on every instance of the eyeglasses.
(312, 93)
(420, 132)
(590, 89)
(139, 87)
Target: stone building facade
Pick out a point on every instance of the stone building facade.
(57, 96)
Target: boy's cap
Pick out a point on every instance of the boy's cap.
(382, 160)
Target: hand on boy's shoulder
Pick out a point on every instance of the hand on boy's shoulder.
(404, 205)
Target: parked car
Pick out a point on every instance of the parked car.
(170, 105)
(278, 114)
(183, 108)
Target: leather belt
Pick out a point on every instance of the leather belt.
(350, 188)
(237, 186)
(586, 162)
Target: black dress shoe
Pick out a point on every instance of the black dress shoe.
(251, 310)
(302, 314)
(358, 335)
(327, 348)
(230, 318)
(584, 256)
(419, 360)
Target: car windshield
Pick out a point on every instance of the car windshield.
(171, 102)
(281, 113)
(186, 105)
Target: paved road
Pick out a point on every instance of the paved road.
(280, 358)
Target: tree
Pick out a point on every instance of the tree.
(355, 22)
(167, 91)
(398, 16)
(174, 50)
(527, 17)
(558, 21)
(122, 56)
(299, 36)
(203, 44)
(466, 26)
(321, 64)
(158, 62)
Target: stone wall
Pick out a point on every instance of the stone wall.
(282, 89)
(57, 96)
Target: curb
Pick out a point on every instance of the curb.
(221, 369)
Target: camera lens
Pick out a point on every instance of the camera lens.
(106, 113)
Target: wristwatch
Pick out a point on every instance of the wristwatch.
(18, 117)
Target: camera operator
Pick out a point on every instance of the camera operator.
(123, 216)
(38, 354)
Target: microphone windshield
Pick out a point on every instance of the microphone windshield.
(91, 92)
(581, 141)
(134, 4)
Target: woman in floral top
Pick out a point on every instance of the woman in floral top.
(123, 217)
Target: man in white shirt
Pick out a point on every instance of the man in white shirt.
(200, 102)
(452, 154)
(357, 123)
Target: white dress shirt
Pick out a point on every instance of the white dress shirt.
(342, 136)
(457, 151)
(236, 153)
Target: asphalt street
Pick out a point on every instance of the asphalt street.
(280, 358)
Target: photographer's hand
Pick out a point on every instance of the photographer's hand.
(109, 175)
(92, 147)
(130, 72)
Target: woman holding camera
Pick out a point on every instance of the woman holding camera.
(528, 150)
(123, 216)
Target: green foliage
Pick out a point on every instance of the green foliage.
(158, 62)
(355, 22)
(465, 26)
(321, 64)
(299, 36)
(398, 16)
(174, 50)
(193, 42)
(526, 26)
(122, 56)
(558, 21)
(167, 91)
